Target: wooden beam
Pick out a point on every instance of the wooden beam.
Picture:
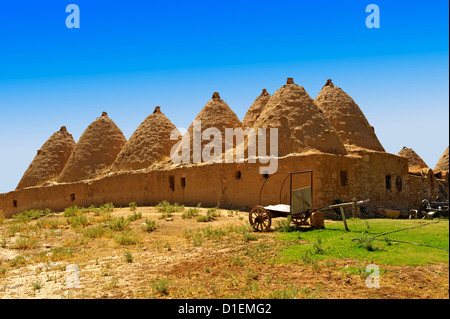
(343, 218)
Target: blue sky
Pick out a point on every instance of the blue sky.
(129, 56)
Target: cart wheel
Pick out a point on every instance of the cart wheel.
(260, 219)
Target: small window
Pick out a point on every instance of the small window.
(399, 183)
(183, 182)
(172, 182)
(344, 179)
(14, 203)
(72, 197)
(238, 175)
(388, 181)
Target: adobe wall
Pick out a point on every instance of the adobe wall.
(231, 185)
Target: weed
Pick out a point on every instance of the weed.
(317, 246)
(134, 216)
(126, 239)
(118, 223)
(190, 213)
(24, 243)
(77, 221)
(37, 285)
(132, 206)
(368, 243)
(48, 223)
(236, 261)
(197, 239)
(284, 225)
(17, 261)
(213, 212)
(96, 232)
(61, 253)
(150, 225)
(128, 257)
(161, 286)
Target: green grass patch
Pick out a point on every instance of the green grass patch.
(334, 242)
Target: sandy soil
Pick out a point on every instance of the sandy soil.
(166, 264)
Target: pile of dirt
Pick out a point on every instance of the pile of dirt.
(95, 152)
(347, 118)
(302, 127)
(215, 114)
(50, 160)
(414, 160)
(442, 164)
(149, 143)
(256, 108)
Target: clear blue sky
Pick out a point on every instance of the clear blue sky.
(129, 56)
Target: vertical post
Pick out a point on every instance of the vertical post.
(343, 218)
(312, 190)
(290, 194)
(354, 207)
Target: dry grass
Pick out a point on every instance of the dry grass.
(132, 253)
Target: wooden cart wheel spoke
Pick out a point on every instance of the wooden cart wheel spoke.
(260, 219)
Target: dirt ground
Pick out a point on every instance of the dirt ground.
(168, 263)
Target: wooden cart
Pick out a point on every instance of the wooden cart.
(300, 208)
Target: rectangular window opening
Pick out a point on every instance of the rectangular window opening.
(172, 182)
(344, 179)
(388, 182)
(183, 182)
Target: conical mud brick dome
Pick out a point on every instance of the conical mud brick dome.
(442, 164)
(255, 109)
(414, 160)
(149, 143)
(50, 160)
(215, 115)
(301, 126)
(347, 118)
(96, 151)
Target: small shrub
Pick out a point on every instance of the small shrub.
(204, 219)
(61, 253)
(96, 232)
(118, 223)
(213, 212)
(284, 225)
(150, 225)
(17, 261)
(190, 213)
(161, 286)
(368, 243)
(134, 216)
(132, 206)
(78, 221)
(197, 239)
(249, 236)
(126, 239)
(128, 257)
(317, 246)
(48, 223)
(37, 285)
(73, 211)
(24, 243)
